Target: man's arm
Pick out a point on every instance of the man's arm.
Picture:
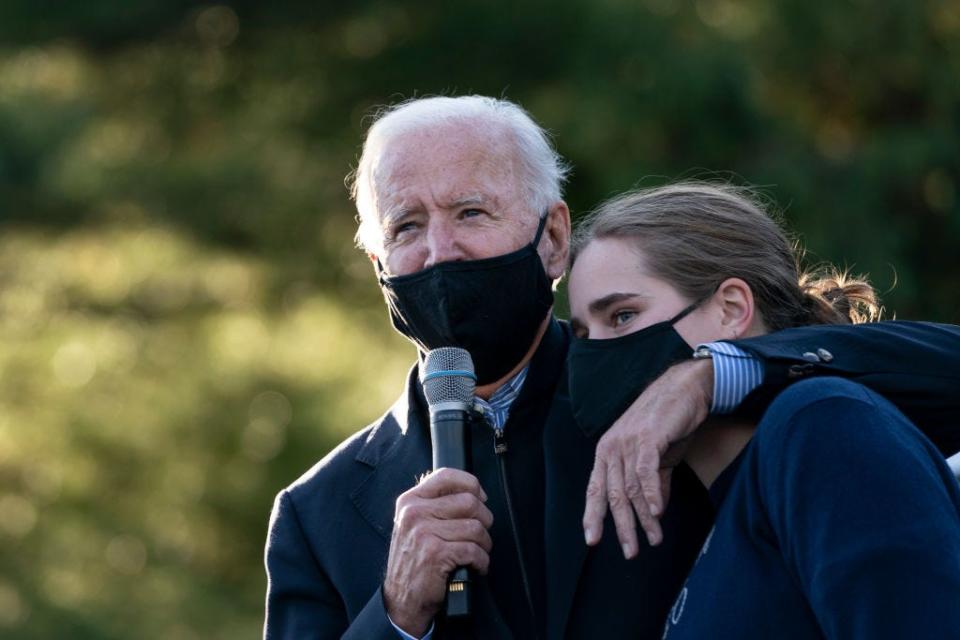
(916, 365)
(301, 601)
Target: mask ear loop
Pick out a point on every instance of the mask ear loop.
(686, 311)
(540, 227)
(381, 274)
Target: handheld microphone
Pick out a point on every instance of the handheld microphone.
(448, 383)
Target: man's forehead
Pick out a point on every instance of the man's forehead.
(402, 202)
(420, 171)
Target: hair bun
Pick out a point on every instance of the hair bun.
(832, 296)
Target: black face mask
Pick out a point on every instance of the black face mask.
(606, 376)
(493, 307)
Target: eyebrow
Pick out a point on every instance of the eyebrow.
(400, 211)
(601, 304)
(470, 199)
(394, 213)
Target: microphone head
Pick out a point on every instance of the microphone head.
(447, 376)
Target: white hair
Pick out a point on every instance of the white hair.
(542, 170)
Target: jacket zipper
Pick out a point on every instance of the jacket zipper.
(500, 448)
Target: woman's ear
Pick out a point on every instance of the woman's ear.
(734, 299)
(556, 240)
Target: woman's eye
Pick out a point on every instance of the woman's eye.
(621, 318)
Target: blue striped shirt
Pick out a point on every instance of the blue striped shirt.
(735, 374)
(497, 408)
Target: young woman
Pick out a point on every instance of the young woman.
(835, 516)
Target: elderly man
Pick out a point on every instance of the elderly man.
(462, 214)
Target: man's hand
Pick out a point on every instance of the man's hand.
(438, 525)
(636, 457)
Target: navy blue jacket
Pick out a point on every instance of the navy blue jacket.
(330, 530)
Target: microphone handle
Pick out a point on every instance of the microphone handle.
(448, 430)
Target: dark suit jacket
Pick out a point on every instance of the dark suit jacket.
(330, 530)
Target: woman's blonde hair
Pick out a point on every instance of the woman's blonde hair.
(697, 234)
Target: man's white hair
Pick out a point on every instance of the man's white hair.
(542, 170)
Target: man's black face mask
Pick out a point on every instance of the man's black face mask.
(492, 307)
(606, 376)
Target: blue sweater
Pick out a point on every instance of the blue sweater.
(838, 520)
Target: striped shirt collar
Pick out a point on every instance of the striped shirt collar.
(497, 409)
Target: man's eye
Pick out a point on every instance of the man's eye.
(404, 227)
(471, 213)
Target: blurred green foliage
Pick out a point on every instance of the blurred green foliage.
(184, 323)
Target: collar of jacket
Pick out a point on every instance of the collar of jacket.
(408, 415)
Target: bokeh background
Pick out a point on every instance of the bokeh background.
(185, 325)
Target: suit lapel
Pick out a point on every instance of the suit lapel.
(397, 451)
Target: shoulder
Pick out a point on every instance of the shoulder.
(806, 394)
(827, 420)
(337, 473)
(827, 404)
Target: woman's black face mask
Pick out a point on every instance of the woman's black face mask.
(492, 307)
(606, 376)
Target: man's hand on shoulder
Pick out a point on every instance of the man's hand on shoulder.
(636, 456)
(439, 525)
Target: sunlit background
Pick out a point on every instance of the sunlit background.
(185, 325)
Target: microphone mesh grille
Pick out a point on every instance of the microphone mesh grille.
(448, 388)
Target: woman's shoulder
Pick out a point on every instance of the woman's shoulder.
(835, 419)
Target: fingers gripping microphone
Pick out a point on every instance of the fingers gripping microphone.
(448, 383)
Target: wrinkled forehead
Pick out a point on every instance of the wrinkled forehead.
(448, 165)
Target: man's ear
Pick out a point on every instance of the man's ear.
(734, 299)
(556, 240)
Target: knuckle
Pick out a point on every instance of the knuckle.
(444, 475)
(478, 555)
(633, 490)
(402, 518)
(594, 489)
(473, 483)
(411, 514)
(477, 530)
(604, 448)
(472, 503)
(616, 499)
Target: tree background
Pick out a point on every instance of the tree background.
(185, 325)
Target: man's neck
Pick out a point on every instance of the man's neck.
(487, 390)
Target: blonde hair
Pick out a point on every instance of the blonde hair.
(697, 234)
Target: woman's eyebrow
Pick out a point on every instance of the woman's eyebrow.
(601, 304)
